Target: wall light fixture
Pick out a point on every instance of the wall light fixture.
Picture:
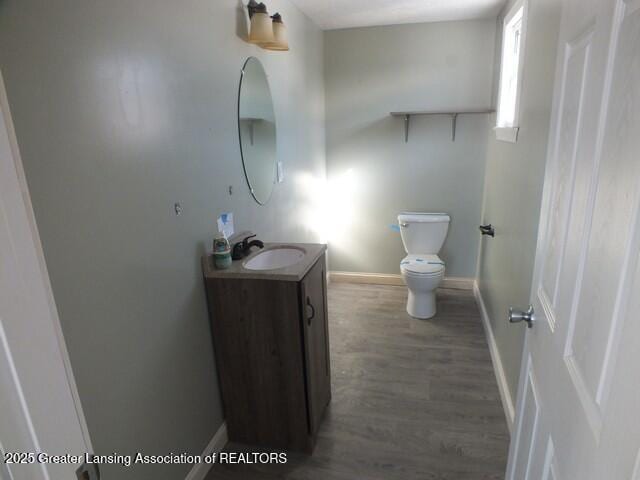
(267, 32)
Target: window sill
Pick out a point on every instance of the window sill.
(507, 134)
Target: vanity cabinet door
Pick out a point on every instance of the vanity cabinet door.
(316, 343)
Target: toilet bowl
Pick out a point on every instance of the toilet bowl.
(422, 275)
(423, 235)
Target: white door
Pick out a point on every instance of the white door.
(578, 411)
(39, 408)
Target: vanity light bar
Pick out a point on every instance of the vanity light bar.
(267, 32)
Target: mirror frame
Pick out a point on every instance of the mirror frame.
(242, 155)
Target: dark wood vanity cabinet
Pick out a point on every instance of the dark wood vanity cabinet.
(271, 341)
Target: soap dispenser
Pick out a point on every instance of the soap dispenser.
(221, 251)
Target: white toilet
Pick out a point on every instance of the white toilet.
(423, 235)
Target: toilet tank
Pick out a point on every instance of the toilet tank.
(423, 233)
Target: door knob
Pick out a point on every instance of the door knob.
(516, 316)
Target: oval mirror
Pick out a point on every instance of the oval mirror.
(257, 129)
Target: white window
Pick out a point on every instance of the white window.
(513, 36)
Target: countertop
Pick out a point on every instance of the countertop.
(292, 273)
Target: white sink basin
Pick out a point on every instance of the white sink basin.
(275, 257)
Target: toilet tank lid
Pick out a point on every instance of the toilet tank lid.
(419, 217)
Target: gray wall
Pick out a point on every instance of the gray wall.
(370, 72)
(513, 188)
(122, 109)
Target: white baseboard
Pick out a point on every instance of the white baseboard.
(371, 278)
(217, 443)
(505, 393)
(459, 283)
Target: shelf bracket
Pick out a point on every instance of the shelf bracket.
(454, 121)
(251, 129)
(407, 119)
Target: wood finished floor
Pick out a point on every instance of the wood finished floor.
(412, 399)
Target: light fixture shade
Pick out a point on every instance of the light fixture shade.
(280, 41)
(261, 30)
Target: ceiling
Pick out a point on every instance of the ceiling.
(334, 14)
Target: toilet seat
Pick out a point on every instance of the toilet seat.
(422, 265)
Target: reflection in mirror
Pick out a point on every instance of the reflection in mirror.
(257, 128)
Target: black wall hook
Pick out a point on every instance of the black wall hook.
(487, 230)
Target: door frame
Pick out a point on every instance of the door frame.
(42, 278)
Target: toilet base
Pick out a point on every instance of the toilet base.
(422, 305)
